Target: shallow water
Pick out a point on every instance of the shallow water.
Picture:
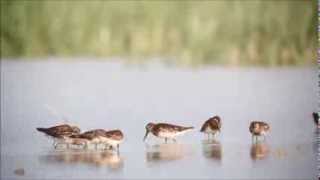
(113, 95)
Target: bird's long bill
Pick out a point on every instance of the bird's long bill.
(145, 136)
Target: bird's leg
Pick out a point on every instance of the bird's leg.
(67, 144)
(96, 146)
(208, 136)
(54, 142)
(174, 140)
(81, 145)
(165, 140)
(55, 145)
(118, 147)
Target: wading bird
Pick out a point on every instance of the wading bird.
(211, 126)
(258, 128)
(60, 133)
(165, 131)
(100, 136)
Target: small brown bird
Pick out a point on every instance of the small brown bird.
(114, 138)
(100, 136)
(95, 137)
(60, 133)
(166, 131)
(316, 119)
(211, 126)
(258, 128)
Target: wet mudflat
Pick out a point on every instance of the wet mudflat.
(114, 95)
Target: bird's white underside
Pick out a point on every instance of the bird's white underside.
(172, 134)
(210, 131)
(98, 140)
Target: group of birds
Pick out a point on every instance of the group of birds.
(71, 135)
(67, 134)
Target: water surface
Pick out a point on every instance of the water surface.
(113, 95)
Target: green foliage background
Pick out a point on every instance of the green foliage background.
(267, 33)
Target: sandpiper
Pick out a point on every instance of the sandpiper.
(60, 133)
(211, 126)
(114, 138)
(166, 131)
(100, 136)
(96, 136)
(316, 119)
(258, 128)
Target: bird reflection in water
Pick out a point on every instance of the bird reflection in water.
(212, 149)
(166, 152)
(101, 159)
(259, 151)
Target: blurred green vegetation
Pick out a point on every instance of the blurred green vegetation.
(268, 33)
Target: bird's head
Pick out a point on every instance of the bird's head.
(149, 128)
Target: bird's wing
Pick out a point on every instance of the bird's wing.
(170, 127)
(214, 124)
(61, 130)
(88, 135)
(114, 134)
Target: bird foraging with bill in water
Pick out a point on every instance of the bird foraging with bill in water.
(166, 131)
(60, 133)
(114, 138)
(258, 128)
(109, 139)
(211, 126)
(95, 136)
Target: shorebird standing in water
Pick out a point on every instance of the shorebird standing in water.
(114, 138)
(316, 119)
(95, 137)
(211, 126)
(60, 133)
(166, 131)
(258, 128)
(100, 136)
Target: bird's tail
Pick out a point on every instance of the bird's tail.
(188, 128)
(42, 130)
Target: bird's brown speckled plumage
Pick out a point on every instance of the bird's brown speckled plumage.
(60, 131)
(258, 128)
(165, 130)
(213, 123)
(114, 134)
(91, 134)
(164, 127)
